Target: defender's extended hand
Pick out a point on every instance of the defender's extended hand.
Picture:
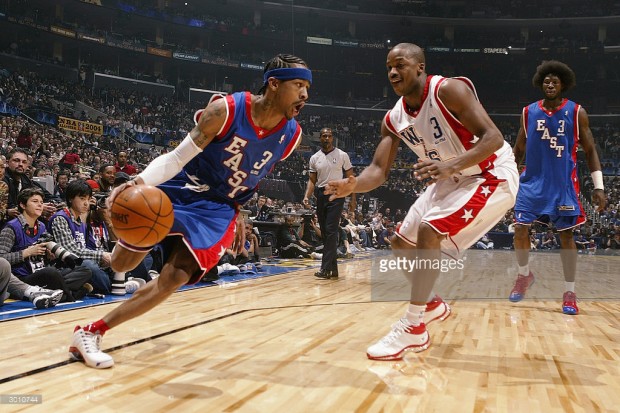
(340, 188)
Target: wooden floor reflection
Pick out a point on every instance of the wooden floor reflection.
(292, 343)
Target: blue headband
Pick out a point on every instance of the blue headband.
(288, 73)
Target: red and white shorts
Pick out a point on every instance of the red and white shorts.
(463, 208)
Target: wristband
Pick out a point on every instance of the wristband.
(597, 179)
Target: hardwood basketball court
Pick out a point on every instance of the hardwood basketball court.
(293, 343)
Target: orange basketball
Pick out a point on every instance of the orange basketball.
(142, 215)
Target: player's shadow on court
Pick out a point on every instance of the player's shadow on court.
(411, 376)
(530, 369)
(186, 391)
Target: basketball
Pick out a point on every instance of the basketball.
(142, 215)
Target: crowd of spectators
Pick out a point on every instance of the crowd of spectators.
(234, 25)
(85, 155)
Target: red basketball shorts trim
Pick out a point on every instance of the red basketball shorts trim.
(463, 208)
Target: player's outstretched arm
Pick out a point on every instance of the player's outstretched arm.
(166, 166)
(374, 174)
(594, 164)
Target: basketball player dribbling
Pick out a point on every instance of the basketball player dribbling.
(473, 182)
(550, 131)
(214, 170)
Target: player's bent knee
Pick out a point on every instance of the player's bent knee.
(170, 281)
(401, 244)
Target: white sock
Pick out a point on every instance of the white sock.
(119, 277)
(525, 270)
(570, 286)
(415, 314)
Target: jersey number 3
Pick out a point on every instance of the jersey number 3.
(553, 140)
(234, 162)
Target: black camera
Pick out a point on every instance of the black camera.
(101, 198)
(63, 256)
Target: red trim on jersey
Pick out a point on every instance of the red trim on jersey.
(551, 112)
(260, 132)
(461, 132)
(488, 163)
(576, 123)
(292, 144)
(454, 223)
(230, 116)
(427, 85)
(526, 114)
(209, 257)
(573, 155)
(469, 83)
(388, 123)
(465, 136)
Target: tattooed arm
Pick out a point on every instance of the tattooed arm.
(166, 166)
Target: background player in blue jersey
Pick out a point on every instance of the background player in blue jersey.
(551, 129)
(215, 169)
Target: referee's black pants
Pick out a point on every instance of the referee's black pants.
(329, 213)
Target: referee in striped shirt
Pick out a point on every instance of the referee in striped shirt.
(328, 164)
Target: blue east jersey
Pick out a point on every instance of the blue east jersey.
(232, 165)
(206, 194)
(549, 185)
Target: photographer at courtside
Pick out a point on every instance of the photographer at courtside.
(70, 231)
(26, 245)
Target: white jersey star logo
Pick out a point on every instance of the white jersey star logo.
(474, 139)
(485, 191)
(222, 251)
(261, 132)
(468, 214)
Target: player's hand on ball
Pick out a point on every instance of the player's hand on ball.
(120, 189)
(141, 215)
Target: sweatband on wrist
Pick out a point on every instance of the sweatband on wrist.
(597, 179)
(288, 73)
(166, 166)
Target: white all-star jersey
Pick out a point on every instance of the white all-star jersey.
(467, 205)
(432, 132)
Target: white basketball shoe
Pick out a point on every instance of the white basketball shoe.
(86, 347)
